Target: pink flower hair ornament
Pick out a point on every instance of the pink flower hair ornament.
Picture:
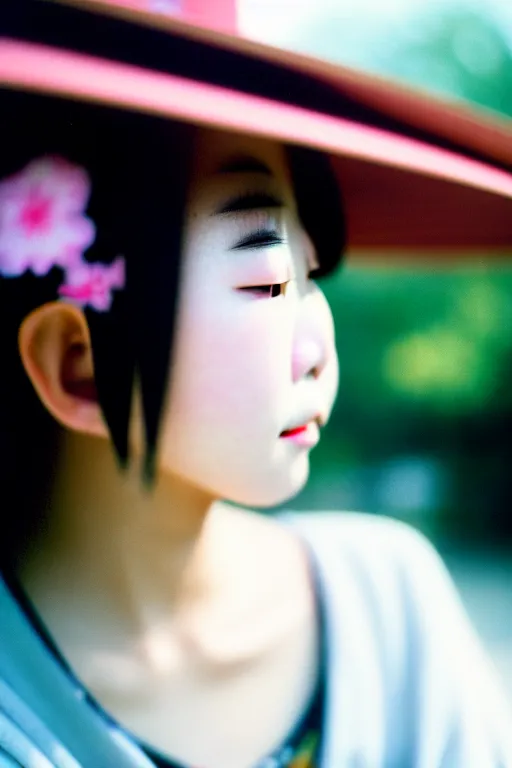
(91, 285)
(43, 225)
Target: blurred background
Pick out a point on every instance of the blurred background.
(423, 423)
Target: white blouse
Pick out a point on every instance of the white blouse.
(408, 685)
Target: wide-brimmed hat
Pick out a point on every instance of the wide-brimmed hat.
(416, 173)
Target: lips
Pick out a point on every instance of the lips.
(317, 419)
(294, 431)
(304, 435)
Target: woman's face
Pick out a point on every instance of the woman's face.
(254, 354)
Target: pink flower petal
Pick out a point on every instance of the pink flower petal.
(42, 219)
(92, 284)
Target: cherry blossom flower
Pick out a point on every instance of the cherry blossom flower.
(42, 221)
(91, 285)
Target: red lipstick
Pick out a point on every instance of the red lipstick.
(295, 431)
(306, 435)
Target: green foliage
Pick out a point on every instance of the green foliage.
(426, 380)
(425, 350)
(452, 49)
(460, 52)
(434, 339)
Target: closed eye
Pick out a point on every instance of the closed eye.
(269, 291)
(262, 238)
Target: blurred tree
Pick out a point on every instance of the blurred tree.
(425, 353)
(455, 50)
(459, 52)
(425, 375)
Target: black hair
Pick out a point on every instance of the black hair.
(139, 168)
(320, 206)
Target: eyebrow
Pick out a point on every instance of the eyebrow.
(249, 201)
(244, 164)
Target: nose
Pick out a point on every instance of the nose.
(308, 361)
(313, 346)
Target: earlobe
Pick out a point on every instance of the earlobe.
(55, 349)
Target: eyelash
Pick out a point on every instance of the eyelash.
(261, 238)
(269, 291)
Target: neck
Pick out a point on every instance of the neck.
(167, 571)
(139, 549)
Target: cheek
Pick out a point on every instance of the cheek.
(331, 372)
(232, 358)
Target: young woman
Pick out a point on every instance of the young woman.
(168, 362)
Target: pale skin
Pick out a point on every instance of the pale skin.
(183, 615)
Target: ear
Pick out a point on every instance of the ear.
(55, 348)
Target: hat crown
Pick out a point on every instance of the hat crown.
(211, 14)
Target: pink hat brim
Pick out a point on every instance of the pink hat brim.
(401, 194)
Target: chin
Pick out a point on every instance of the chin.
(273, 491)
